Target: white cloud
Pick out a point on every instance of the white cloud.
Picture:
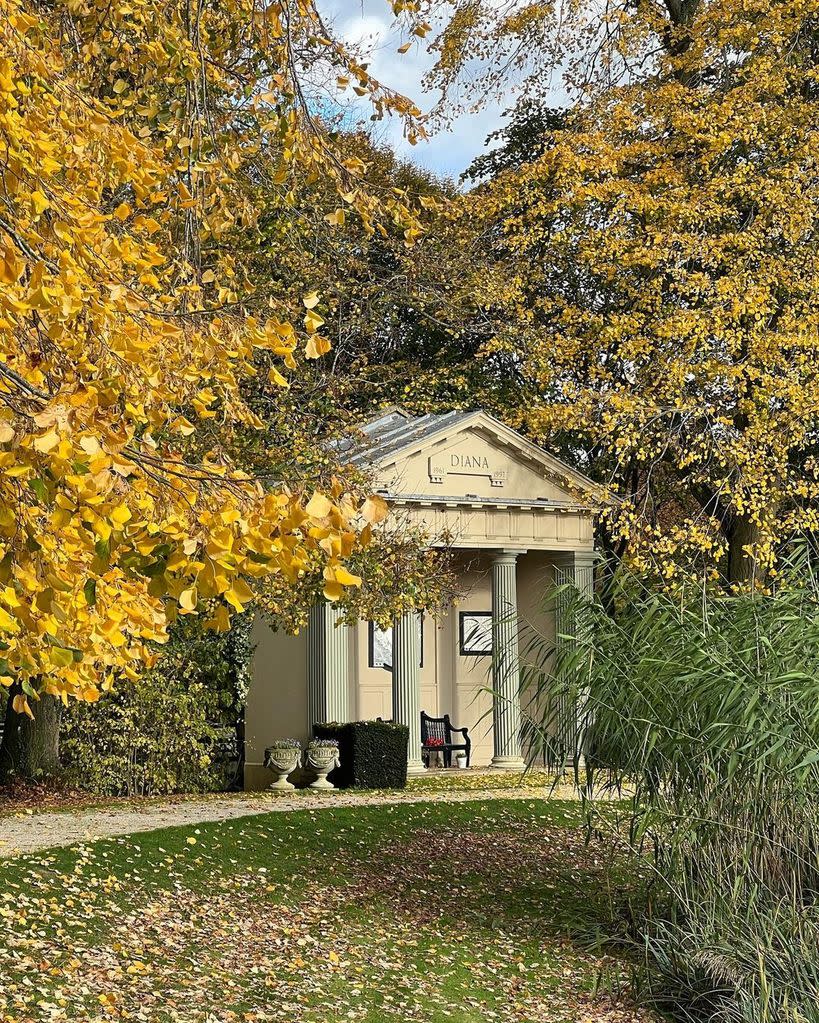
(366, 23)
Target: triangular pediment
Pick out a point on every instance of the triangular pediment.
(470, 455)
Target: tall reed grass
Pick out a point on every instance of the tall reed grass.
(704, 707)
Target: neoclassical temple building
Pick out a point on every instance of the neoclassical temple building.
(518, 520)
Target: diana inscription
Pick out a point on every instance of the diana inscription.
(466, 463)
(458, 463)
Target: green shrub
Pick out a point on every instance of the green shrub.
(373, 754)
(146, 738)
(172, 730)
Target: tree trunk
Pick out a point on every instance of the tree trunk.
(742, 565)
(31, 749)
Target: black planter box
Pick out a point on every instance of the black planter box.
(373, 753)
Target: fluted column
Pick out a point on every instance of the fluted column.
(328, 672)
(406, 685)
(577, 568)
(505, 663)
(574, 569)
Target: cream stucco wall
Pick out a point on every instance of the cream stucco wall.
(372, 687)
(535, 579)
(277, 701)
(467, 679)
(450, 682)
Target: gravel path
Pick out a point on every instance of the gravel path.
(30, 832)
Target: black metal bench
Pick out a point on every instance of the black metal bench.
(440, 730)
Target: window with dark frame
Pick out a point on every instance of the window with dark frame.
(380, 645)
(475, 633)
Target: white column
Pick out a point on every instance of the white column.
(406, 685)
(328, 673)
(505, 663)
(575, 569)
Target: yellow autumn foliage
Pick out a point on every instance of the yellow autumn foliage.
(651, 274)
(124, 129)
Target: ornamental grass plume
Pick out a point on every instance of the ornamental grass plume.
(704, 706)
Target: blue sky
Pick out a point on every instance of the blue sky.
(368, 23)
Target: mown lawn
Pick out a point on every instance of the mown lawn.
(490, 910)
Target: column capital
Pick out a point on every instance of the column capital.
(583, 556)
(576, 567)
(408, 613)
(505, 556)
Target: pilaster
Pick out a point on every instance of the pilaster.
(573, 569)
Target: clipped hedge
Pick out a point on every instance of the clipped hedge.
(373, 753)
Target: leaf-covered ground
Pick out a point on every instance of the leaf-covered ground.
(36, 825)
(435, 912)
(20, 796)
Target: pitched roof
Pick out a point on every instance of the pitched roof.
(393, 431)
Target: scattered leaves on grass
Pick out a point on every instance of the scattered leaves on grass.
(434, 912)
(20, 796)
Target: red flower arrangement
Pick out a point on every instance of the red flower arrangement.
(434, 744)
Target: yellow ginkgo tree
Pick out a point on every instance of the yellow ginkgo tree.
(127, 134)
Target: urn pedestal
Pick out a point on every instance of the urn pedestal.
(321, 760)
(282, 762)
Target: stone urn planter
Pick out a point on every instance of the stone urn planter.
(283, 757)
(321, 756)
